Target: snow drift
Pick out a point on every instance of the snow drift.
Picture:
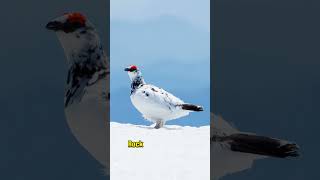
(170, 153)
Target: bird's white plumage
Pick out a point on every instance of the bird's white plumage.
(154, 103)
(157, 104)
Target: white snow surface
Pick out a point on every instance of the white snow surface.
(170, 153)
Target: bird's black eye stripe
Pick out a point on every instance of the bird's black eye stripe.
(72, 26)
(83, 32)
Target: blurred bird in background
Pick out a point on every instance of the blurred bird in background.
(86, 100)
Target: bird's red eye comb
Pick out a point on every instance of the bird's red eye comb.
(133, 67)
(76, 18)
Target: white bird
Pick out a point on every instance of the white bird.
(233, 151)
(86, 100)
(156, 104)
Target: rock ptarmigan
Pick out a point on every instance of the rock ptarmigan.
(86, 101)
(156, 104)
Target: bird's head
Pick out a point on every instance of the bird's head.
(75, 33)
(133, 71)
(69, 23)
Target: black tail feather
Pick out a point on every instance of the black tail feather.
(262, 145)
(191, 107)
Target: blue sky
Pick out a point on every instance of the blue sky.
(170, 44)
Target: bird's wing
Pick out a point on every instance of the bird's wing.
(159, 96)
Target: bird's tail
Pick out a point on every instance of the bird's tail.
(191, 107)
(261, 145)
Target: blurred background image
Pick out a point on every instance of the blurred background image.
(265, 78)
(37, 142)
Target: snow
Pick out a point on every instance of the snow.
(169, 153)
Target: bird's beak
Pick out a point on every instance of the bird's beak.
(54, 25)
(127, 69)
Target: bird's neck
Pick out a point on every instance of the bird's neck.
(136, 82)
(84, 63)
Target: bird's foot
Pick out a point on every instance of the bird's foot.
(159, 124)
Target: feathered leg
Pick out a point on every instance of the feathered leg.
(159, 124)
